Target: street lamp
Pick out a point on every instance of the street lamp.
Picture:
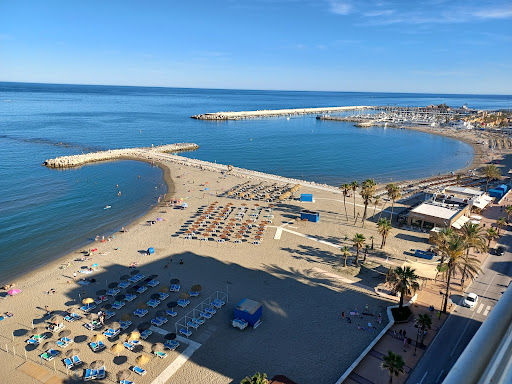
(415, 345)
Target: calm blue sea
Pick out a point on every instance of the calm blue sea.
(45, 213)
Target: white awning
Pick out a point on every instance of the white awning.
(482, 201)
(476, 217)
(460, 222)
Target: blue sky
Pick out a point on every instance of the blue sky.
(347, 45)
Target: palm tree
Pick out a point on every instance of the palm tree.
(384, 227)
(394, 363)
(358, 241)
(441, 240)
(376, 201)
(473, 238)
(346, 188)
(371, 238)
(456, 262)
(403, 280)
(508, 209)
(257, 378)
(366, 249)
(353, 187)
(424, 322)
(367, 191)
(394, 194)
(345, 252)
(490, 235)
(500, 223)
(491, 172)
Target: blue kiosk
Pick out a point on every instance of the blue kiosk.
(309, 216)
(247, 312)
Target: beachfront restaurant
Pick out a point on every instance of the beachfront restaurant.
(432, 214)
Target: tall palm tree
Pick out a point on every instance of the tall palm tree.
(394, 363)
(500, 223)
(508, 209)
(424, 321)
(384, 227)
(353, 186)
(403, 280)
(456, 262)
(441, 239)
(376, 201)
(358, 241)
(371, 238)
(394, 194)
(473, 238)
(345, 252)
(257, 378)
(490, 235)
(367, 191)
(491, 172)
(346, 189)
(366, 249)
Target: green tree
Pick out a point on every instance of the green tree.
(366, 249)
(346, 189)
(508, 209)
(394, 363)
(353, 186)
(358, 241)
(424, 321)
(394, 194)
(403, 280)
(473, 238)
(491, 172)
(442, 239)
(368, 189)
(257, 378)
(345, 252)
(490, 235)
(500, 223)
(376, 201)
(384, 228)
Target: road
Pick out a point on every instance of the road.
(460, 327)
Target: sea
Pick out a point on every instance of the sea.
(46, 213)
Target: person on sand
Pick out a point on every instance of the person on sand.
(48, 310)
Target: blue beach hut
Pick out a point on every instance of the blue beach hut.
(249, 311)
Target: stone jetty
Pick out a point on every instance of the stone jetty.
(275, 113)
(115, 154)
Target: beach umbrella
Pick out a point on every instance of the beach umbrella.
(50, 344)
(134, 272)
(184, 295)
(120, 297)
(97, 364)
(151, 250)
(142, 359)
(184, 205)
(133, 336)
(87, 300)
(65, 333)
(97, 337)
(175, 281)
(196, 288)
(151, 277)
(13, 292)
(172, 304)
(124, 277)
(126, 316)
(170, 336)
(163, 289)
(160, 313)
(157, 347)
(132, 290)
(115, 325)
(101, 292)
(116, 348)
(143, 326)
(125, 373)
(142, 306)
(72, 352)
(113, 285)
(155, 296)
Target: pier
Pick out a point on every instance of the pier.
(116, 154)
(275, 113)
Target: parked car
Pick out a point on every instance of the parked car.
(500, 250)
(470, 300)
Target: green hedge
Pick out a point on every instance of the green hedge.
(401, 314)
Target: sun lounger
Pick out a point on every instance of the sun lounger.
(77, 361)
(141, 290)
(163, 296)
(218, 303)
(160, 354)
(75, 316)
(206, 315)
(62, 344)
(125, 324)
(183, 302)
(193, 293)
(210, 310)
(118, 304)
(171, 344)
(96, 346)
(130, 297)
(109, 314)
(138, 370)
(56, 328)
(53, 352)
(87, 308)
(124, 284)
(93, 325)
(113, 292)
(153, 283)
(32, 341)
(69, 318)
(101, 373)
(171, 313)
(67, 362)
(175, 288)
(111, 332)
(185, 332)
(128, 345)
(239, 323)
(132, 279)
(145, 334)
(89, 375)
(153, 303)
(140, 312)
(46, 356)
(199, 321)
(192, 324)
(126, 382)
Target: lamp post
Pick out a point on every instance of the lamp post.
(415, 345)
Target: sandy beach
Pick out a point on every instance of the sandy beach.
(296, 273)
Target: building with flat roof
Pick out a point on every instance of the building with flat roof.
(433, 213)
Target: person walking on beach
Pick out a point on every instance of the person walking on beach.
(74, 275)
(342, 315)
(48, 310)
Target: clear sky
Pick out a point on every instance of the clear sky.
(340, 45)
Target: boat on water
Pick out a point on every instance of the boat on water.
(107, 207)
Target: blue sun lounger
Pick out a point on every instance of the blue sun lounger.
(153, 303)
(101, 373)
(206, 315)
(68, 363)
(77, 361)
(124, 284)
(89, 375)
(172, 313)
(145, 334)
(160, 354)
(193, 293)
(183, 302)
(126, 382)
(171, 344)
(139, 370)
(210, 310)
(153, 283)
(175, 288)
(140, 312)
(125, 324)
(163, 296)
(185, 332)
(130, 297)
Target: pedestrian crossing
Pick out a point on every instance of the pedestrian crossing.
(486, 311)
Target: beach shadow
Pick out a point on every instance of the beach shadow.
(412, 238)
(80, 339)
(20, 332)
(120, 360)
